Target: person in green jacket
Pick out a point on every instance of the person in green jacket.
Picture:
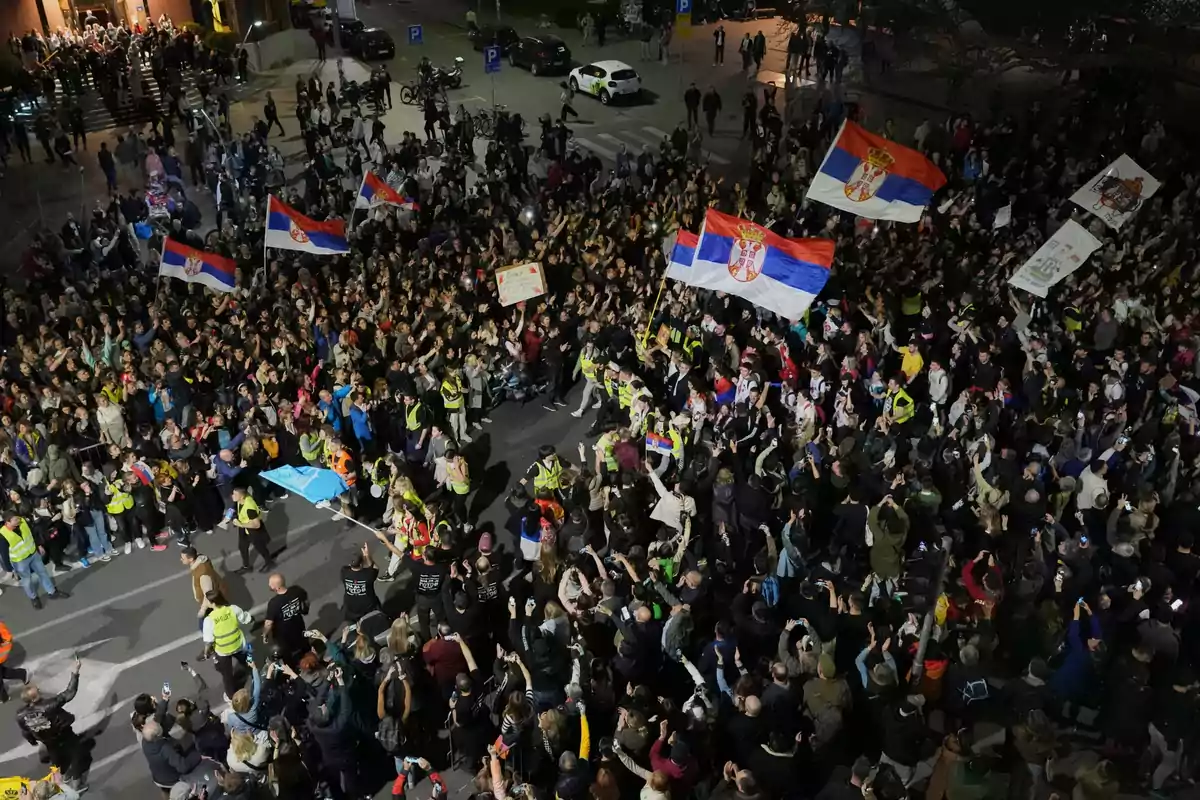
(888, 526)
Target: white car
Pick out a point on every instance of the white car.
(607, 80)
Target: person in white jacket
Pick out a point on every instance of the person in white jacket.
(939, 383)
(1093, 488)
(672, 506)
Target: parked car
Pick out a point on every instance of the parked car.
(541, 53)
(349, 30)
(502, 36)
(374, 43)
(607, 80)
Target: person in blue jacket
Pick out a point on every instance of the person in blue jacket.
(1077, 674)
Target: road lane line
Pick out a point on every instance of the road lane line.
(599, 150)
(93, 719)
(83, 612)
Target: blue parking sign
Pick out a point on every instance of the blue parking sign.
(415, 32)
(491, 59)
(683, 6)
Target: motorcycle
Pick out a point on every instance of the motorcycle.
(449, 78)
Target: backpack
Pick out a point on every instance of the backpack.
(390, 734)
(975, 691)
(769, 591)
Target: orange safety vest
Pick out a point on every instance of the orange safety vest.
(6, 645)
(339, 460)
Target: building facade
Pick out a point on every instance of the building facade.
(46, 16)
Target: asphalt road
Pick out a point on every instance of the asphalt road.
(133, 620)
(635, 124)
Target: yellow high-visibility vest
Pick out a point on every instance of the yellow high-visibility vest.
(548, 477)
(411, 421)
(901, 413)
(227, 633)
(452, 394)
(121, 500)
(457, 478)
(244, 508)
(21, 544)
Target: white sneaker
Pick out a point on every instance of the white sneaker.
(141, 542)
(486, 420)
(128, 548)
(597, 404)
(322, 504)
(107, 557)
(338, 516)
(283, 496)
(465, 439)
(577, 414)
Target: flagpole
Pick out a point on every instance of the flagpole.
(654, 309)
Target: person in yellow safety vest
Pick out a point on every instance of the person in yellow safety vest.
(312, 446)
(592, 376)
(223, 637)
(416, 427)
(119, 506)
(898, 407)
(454, 401)
(458, 482)
(911, 302)
(25, 555)
(606, 452)
(341, 462)
(382, 470)
(625, 390)
(547, 471)
(248, 518)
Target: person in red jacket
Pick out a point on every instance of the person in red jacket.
(988, 590)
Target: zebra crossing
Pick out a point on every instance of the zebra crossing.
(99, 115)
(609, 144)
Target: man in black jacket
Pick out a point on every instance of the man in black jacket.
(44, 721)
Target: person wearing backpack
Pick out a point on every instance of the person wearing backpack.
(966, 689)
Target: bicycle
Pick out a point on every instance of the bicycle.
(485, 121)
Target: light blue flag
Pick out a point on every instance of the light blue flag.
(313, 484)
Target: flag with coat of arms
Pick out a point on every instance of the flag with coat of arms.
(875, 178)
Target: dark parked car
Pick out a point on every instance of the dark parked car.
(501, 36)
(540, 54)
(374, 43)
(349, 30)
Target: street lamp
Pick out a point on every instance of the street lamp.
(253, 25)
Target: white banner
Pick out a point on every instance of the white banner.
(520, 282)
(1062, 254)
(1117, 193)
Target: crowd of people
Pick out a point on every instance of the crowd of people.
(110, 61)
(936, 537)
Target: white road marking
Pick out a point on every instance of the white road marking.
(715, 158)
(599, 150)
(83, 723)
(163, 581)
(659, 135)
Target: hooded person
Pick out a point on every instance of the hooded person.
(58, 467)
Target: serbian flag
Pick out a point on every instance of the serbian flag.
(288, 229)
(680, 266)
(867, 175)
(745, 259)
(656, 443)
(374, 191)
(196, 266)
